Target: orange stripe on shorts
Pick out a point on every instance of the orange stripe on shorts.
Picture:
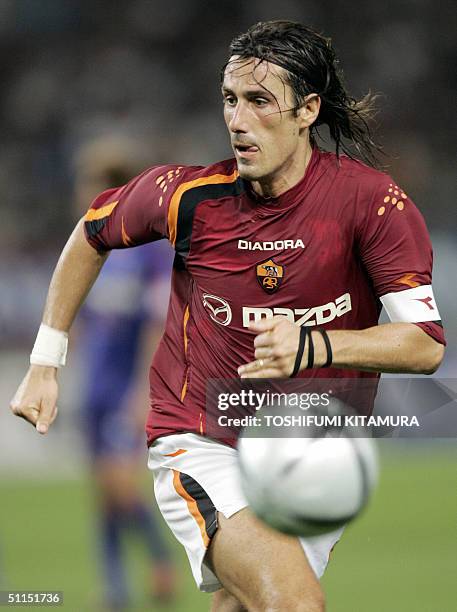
(192, 505)
(180, 451)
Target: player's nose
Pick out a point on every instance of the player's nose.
(238, 120)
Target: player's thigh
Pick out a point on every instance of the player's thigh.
(262, 568)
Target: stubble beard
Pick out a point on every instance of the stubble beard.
(249, 173)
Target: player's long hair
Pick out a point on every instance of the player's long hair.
(312, 67)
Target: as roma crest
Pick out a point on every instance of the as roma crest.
(270, 275)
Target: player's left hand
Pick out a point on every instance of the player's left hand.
(276, 346)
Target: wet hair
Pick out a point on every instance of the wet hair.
(311, 66)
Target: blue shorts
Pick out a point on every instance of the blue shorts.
(112, 431)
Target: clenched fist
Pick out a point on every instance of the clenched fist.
(276, 347)
(36, 397)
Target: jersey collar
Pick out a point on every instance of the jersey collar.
(292, 195)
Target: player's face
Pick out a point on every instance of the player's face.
(270, 140)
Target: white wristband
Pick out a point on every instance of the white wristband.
(50, 348)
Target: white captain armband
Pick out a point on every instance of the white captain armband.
(415, 305)
(50, 348)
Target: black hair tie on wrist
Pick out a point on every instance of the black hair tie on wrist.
(304, 331)
(328, 346)
(310, 350)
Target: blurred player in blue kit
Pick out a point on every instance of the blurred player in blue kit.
(119, 329)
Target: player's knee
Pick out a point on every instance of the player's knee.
(223, 601)
(313, 603)
(283, 597)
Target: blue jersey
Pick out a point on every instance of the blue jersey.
(132, 288)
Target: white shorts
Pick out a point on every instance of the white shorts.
(194, 479)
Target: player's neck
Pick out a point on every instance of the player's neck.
(286, 177)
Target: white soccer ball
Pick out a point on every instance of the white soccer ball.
(307, 486)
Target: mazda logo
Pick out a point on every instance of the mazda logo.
(219, 310)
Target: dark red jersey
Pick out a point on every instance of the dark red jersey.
(321, 254)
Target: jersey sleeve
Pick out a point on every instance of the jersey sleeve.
(136, 213)
(396, 250)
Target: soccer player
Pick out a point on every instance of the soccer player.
(321, 237)
(119, 327)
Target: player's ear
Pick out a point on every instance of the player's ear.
(309, 110)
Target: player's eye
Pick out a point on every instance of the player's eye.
(229, 100)
(260, 101)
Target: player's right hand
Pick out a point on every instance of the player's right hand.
(36, 397)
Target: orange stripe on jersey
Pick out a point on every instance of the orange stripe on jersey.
(407, 279)
(125, 237)
(184, 389)
(192, 505)
(180, 451)
(95, 214)
(175, 201)
(184, 323)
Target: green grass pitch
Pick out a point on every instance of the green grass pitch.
(400, 556)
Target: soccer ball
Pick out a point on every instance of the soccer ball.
(307, 486)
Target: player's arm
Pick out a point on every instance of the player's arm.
(118, 218)
(75, 273)
(393, 347)
(77, 269)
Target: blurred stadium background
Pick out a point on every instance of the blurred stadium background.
(74, 69)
